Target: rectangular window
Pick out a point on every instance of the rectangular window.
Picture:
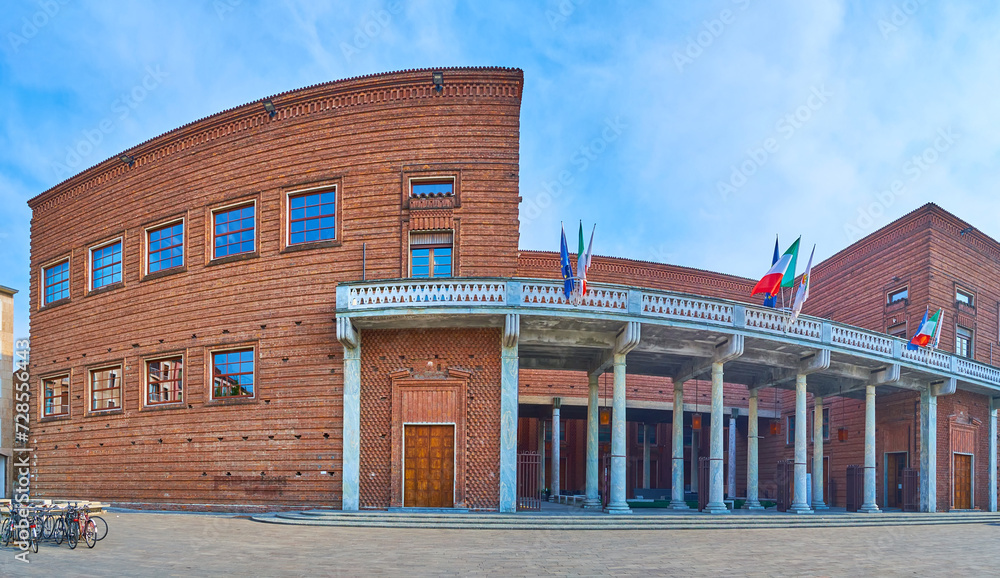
(234, 231)
(898, 330)
(963, 342)
(826, 424)
(232, 374)
(312, 217)
(56, 400)
(432, 188)
(562, 431)
(106, 388)
(164, 380)
(642, 435)
(897, 295)
(105, 265)
(56, 282)
(430, 254)
(166, 247)
(964, 297)
(790, 430)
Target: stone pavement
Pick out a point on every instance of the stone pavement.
(159, 544)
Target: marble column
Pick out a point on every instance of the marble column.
(928, 451)
(617, 503)
(817, 478)
(869, 506)
(556, 450)
(541, 455)
(799, 504)
(645, 455)
(716, 484)
(508, 414)
(731, 475)
(350, 499)
(677, 454)
(753, 442)
(593, 499)
(992, 501)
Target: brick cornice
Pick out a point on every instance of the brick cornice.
(472, 82)
(533, 260)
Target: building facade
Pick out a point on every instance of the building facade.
(7, 406)
(317, 300)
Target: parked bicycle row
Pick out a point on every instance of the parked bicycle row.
(35, 523)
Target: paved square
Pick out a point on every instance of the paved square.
(155, 544)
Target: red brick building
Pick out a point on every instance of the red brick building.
(317, 300)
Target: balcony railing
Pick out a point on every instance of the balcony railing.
(491, 295)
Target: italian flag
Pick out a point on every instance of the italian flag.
(926, 332)
(781, 274)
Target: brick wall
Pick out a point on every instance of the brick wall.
(477, 351)
(367, 136)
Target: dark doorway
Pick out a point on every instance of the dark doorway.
(895, 463)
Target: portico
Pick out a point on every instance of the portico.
(627, 331)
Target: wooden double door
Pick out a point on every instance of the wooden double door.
(429, 466)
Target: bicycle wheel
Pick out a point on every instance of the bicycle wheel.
(48, 526)
(34, 536)
(90, 534)
(101, 525)
(73, 534)
(5, 531)
(59, 531)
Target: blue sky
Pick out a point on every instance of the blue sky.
(690, 132)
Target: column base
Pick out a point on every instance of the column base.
(800, 509)
(678, 505)
(716, 508)
(592, 504)
(752, 505)
(620, 508)
(820, 506)
(869, 509)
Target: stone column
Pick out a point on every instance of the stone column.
(753, 474)
(716, 485)
(350, 499)
(593, 467)
(645, 456)
(556, 449)
(677, 454)
(617, 503)
(817, 478)
(541, 455)
(928, 451)
(869, 506)
(731, 476)
(799, 505)
(993, 457)
(508, 414)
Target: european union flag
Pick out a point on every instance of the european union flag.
(567, 269)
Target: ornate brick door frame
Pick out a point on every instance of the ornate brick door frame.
(963, 439)
(433, 398)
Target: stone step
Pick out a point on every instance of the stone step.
(625, 522)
